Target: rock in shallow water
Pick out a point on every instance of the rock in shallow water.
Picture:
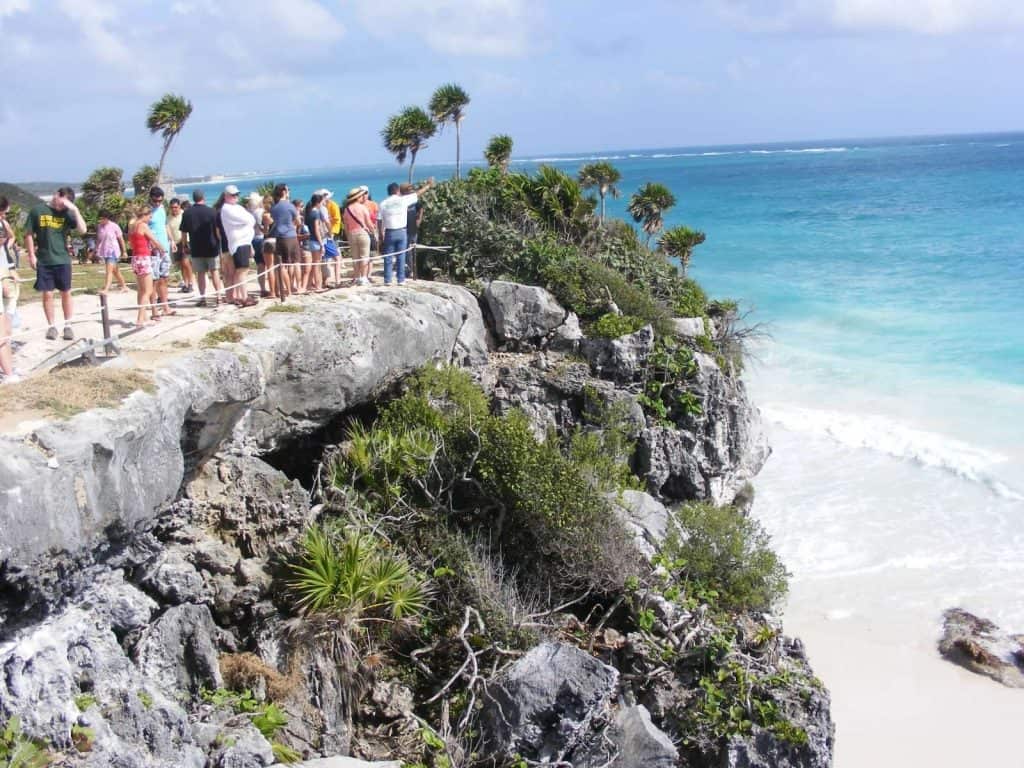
(980, 646)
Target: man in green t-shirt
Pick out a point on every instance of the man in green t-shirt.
(46, 240)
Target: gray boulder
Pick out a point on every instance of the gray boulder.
(243, 746)
(979, 645)
(645, 517)
(522, 313)
(567, 336)
(691, 327)
(632, 741)
(174, 579)
(621, 359)
(179, 652)
(542, 706)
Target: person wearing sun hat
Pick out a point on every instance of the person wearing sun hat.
(358, 226)
(240, 228)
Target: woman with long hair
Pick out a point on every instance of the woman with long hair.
(143, 245)
(358, 227)
(315, 224)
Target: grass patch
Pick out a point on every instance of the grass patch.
(70, 391)
(231, 334)
(289, 309)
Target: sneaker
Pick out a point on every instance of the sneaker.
(185, 288)
(51, 333)
(68, 333)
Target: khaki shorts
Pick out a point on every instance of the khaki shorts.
(203, 264)
(358, 247)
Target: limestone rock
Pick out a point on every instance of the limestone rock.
(980, 646)
(645, 517)
(45, 671)
(619, 359)
(178, 652)
(120, 604)
(542, 706)
(632, 741)
(243, 747)
(70, 483)
(691, 327)
(711, 455)
(566, 337)
(171, 576)
(522, 313)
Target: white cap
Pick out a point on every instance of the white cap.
(230, 189)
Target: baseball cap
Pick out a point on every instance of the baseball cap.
(230, 189)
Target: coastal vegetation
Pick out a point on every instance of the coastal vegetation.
(602, 176)
(448, 105)
(498, 152)
(406, 134)
(167, 116)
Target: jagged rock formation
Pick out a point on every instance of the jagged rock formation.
(155, 544)
(980, 646)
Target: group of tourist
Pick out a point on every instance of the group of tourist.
(294, 246)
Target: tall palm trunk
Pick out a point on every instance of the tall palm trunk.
(602, 191)
(160, 168)
(458, 148)
(412, 162)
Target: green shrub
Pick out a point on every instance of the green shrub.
(725, 555)
(19, 751)
(349, 575)
(612, 326)
(689, 299)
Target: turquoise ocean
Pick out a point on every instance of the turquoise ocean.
(888, 278)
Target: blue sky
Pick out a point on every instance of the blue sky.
(285, 84)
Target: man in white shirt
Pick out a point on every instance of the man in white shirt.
(240, 228)
(393, 217)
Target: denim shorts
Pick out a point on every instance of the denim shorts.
(111, 259)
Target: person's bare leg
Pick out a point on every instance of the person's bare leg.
(48, 307)
(186, 271)
(109, 278)
(67, 306)
(6, 358)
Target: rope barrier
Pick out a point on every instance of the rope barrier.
(215, 291)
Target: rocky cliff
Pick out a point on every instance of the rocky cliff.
(144, 619)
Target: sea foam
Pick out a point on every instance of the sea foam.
(885, 435)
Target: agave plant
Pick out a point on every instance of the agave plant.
(679, 242)
(406, 133)
(499, 152)
(448, 105)
(167, 116)
(648, 206)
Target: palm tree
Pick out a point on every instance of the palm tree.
(144, 178)
(499, 151)
(604, 176)
(648, 205)
(102, 184)
(680, 242)
(558, 199)
(448, 105)
(406, 134)
(167, 116)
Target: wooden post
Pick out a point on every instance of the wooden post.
(108, 347)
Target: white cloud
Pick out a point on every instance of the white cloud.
(498, 28)
(926, 17)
